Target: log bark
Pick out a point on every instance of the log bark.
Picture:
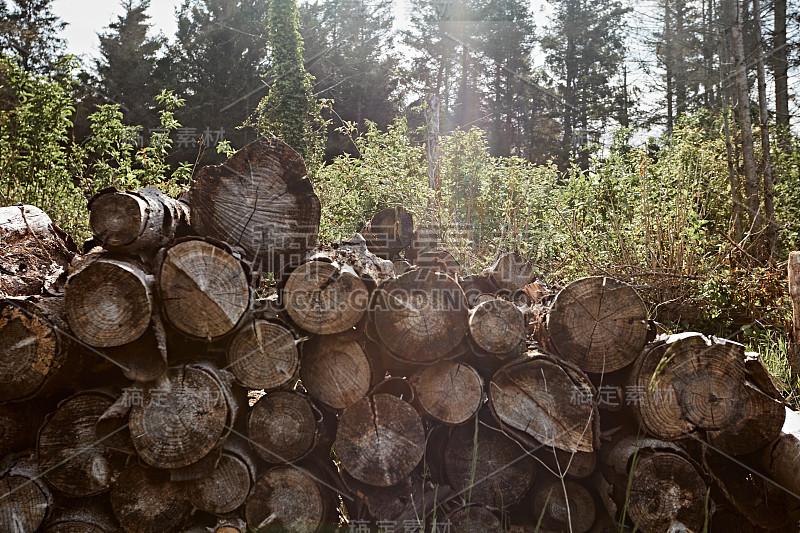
(37, 356)
(336, 372)
(498, 326)
(448, 392)
(389, 232)
(598, 324)
(73, 460)
(563, 505)
(135, 221)
(261, 202)
(512, 272)
(228, 486)
(380, 439)
(27, 499)
(205, 290)
(283, 426)
(264, 355)
(146, 501)
(144, 359)
(421, 315)
(553, 403)
(183, 417)
(286, 499)
(109, 301)
(36, 252)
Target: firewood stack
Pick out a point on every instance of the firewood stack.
(164, 388)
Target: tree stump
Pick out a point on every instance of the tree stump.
(389, 232)
(498, 326)
(380, 439)
(27, 500)
(563, 505)
(146, 501)
(204, 289)
(286, 499)
(335, 372)
(259, 201)
(263, 355)
(598, 324)
(283, 426)
(448, 392)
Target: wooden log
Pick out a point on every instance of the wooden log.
(19, 424)
(205, 290)
(389, 232)
(478, 288)
(656, 484)
(498, 326)
(597, 323)
(448, 392)
(37, 357)
(27, 500)
(781, 458)
(259, 201)
(485, 466)
(439, 260)
(287, 499)
(474, 519)
(552, 402)
(133, 221)
(380, 439)
(283, 426)
(183, 417)
(563, 505)
(109, 301)
(36, 252)
(421, 315)
(573, 464)
(144, 359)
(82, 516)
(335, 372)
(263, 355)
(512, 272)
(73, 460)
(144, 500)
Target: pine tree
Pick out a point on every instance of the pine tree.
(29, 32)
(128, 62)
(290, 111)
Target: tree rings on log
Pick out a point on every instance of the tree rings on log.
(497, 326)
(26, 499)
(563, 505)
(204, 289)
(146, 501)
(259, 201)
(228, 485)
(380, 439)
(108, 302)
(598, 324)
(421, 315)
(71, 457)
(325, 298)
(263, 355)
(283, 426)
(449, 392)
(488, 467)
(549, 401)
(286, 499)
(334, 371)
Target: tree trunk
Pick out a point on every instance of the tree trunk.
(205, 290)
(380, 439)
(27, 499)
(389, 232)
(146, 501)
(498, 327)
(287, 499)
(264, 355)
(563, 505)
(336, 372)
(736, 199)
(793, 349)
(258, 201)
(144, 220)
(781, 67)
(283, 426)
(448, 392)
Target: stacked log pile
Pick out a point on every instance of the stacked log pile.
(163, 388)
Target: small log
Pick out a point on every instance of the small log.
(335, 372)
(389, 232)
(37, 356)
(597, 323)
(82, 517)
(498, 326)
(132, 221)
(146, 501)
(448, 392)
(421, 315)
(512, 272)
(380, 439)
(109, 301)
(261, 202)
(474, 519)
(287, 499)
(263, 355)
(26, 499)
(283, 426)
(228, 486)
(204, 289)
(69, 453)
(36, 252)
(563, 505)
(183, 417)
(549, 401)
(486, 467)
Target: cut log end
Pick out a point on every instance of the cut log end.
(497, 326)
(449, 392)
(285, 499)
(263, 355)
(282, 426)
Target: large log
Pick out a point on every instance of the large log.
(146, 501)
(261, 202)
(389, 232)
(448, 392)
(335, 371)
(380, 439)
(205, 290)
(283, 426)
(133, 221)
(597, 323)
(263, 355)
(36, 252)
(26, 499)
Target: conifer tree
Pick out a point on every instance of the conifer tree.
(29, 32)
